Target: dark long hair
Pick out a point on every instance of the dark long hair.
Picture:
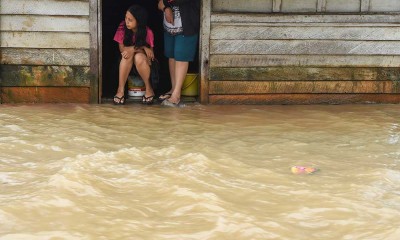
(140, 14)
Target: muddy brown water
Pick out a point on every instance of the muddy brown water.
(199, 172)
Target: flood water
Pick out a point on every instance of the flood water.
(199, 172)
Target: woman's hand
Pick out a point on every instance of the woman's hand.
(161, 5)
(128, 52)
(169, 15)
(149, 53)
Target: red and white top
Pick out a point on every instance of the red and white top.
(119, 35)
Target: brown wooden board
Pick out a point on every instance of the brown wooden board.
(305, 99)
(258, 87)
(304, 74)
(94, 52)
(45, 7)
(360, 32)
(252, 60)
(45, 95)
(205, 50)
(16, 75)
(66, 57)
(309, 47)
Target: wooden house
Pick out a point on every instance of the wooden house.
(251, 52)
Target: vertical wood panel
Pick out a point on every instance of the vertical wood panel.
(277, 5)
(343, 6)
(365, 5)
(94, 52)
(299, 6)
(205, 50)
(384, 5)
(321, 5)
(100, 49)
(255, 6)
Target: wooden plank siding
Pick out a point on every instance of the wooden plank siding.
(45, 51)
(293, 57)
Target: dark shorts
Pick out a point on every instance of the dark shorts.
(179, 47)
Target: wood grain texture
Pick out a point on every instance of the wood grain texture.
(304, 74)
(384, 5)
(304, 18)
(44, 40)
(17, 75)
(94, 52)
(264, 6)
(65, 57)
(204, 50)
(277, 6)
(45, 7)
(311, 32)
(44, 95)
(293, 99)
(257, 87)
(321, 5)
(303, 60)
(365, 5)
(299, 6)
(311, 47)
(343, 6)
(34, 23)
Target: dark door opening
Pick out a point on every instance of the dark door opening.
(113, 12)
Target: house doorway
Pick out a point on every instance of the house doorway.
(112, 13)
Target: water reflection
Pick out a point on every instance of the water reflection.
(201, 172)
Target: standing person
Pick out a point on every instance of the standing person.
(136, 42)
(181, 34)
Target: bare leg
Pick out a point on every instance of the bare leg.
(171, 65)
(143, 67)
(180, 71)
(125, 67)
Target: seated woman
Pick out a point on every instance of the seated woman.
(136, 42)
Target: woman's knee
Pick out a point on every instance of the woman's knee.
(140, 59)
(128, 60)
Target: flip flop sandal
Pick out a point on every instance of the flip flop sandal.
(164, 96)
(121, 100)
(148, 100)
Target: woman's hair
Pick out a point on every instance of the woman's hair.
(140, 15)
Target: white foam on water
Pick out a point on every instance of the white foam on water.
(14, 128)
(78, 188)
(45, 235)
(7, 221)
(8, 139)
(7, 179)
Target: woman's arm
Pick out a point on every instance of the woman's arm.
(177, 2)
(169, 15)
(126, 52)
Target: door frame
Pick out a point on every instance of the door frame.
(96, 53)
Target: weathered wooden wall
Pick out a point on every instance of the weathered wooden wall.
(45, 51)
(301, 52)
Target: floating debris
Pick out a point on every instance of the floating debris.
(303, 170)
